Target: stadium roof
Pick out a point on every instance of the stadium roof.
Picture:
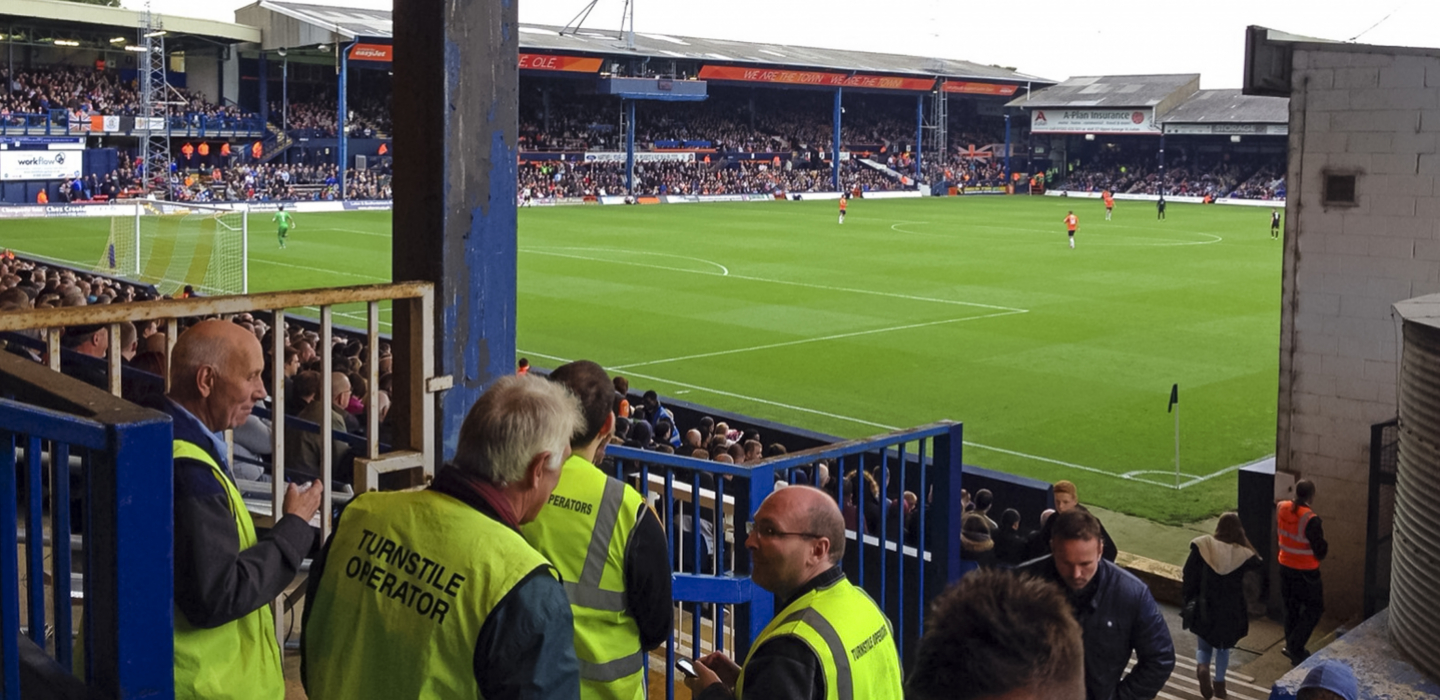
(1230, 106)
(343, 23)
(45, 14)
(1111, 92)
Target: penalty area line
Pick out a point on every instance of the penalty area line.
(881, 426)
(803, 341)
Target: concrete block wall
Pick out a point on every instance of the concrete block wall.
(1373, 112)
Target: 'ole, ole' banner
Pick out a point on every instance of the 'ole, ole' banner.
(801, 77)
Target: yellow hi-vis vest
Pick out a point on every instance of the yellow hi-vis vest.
(239, 659)
(584, 530)
(408, 582)
(849, 633)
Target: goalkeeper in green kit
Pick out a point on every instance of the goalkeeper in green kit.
(286, 223)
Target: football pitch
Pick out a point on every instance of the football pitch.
(1058, 361)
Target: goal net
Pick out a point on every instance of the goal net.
(172, 244)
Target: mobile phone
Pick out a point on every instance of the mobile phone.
(686, 667)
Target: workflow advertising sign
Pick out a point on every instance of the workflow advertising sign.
(39, 165)
(1093, 121)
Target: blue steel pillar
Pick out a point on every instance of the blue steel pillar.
(835, 145)
(945, 519)
(919, 135)
(630, 146)
(341, 138)
(1007, 149)
(264, 91)
(456, 98)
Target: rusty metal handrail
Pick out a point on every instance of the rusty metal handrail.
(161, 309)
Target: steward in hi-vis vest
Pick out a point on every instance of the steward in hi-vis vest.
(239, 659)
(847, 632)
(829, 641)
(434, 593)
(1292, 519)
(1302, 547)
(225, 575)
(609, 548)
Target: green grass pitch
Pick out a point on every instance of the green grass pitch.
(1058, 361)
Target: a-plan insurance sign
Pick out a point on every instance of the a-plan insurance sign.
(39, 165)
(1093, 121)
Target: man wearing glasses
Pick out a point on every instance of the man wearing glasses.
(828, 640)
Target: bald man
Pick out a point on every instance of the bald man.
(225, 575)
(826, 634)
(302, 448)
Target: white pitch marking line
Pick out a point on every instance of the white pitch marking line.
(316, 269)
(825, 287)
(837, 336)
(882, 426)
(351, 230)
(724, 271)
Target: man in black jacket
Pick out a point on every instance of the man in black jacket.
(220, 583)
(1115, 610)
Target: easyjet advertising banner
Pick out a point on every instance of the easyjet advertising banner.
(1093, 121)
(567, 64)
(372, 52)
(981, 88)
(800, 77)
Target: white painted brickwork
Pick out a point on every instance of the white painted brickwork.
(1376, 115)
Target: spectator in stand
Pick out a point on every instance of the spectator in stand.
(1214, 594)
(1116, 612)
(998, 636)
(1066, 500)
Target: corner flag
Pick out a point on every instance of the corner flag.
(1174, 397)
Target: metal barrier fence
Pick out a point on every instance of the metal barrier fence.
(125, 487)
(1380, 522)
(411, 461)
(58, 122)
(902, 562)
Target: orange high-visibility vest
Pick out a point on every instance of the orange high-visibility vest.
(204, 149)
(256, 149)
(1295, 551)
(225, 149)
(188, 150)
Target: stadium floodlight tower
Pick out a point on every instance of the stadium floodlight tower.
(934, 127)
(627, 22)
(154, 102)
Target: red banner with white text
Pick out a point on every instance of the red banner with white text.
(801, 77)
(968, 88)
(567, 64)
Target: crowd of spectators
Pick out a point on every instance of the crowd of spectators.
(1250, 178)
(86, 91)
(554, 178)
(26, 285)
(320, 118)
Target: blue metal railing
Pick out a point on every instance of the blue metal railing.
(901, 569)
(58, 122)
(122, 508)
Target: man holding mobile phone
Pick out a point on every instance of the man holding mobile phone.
(225, 574)
(826, 634)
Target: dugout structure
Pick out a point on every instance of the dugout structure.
(171, 245)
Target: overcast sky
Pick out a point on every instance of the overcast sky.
(1053, 39)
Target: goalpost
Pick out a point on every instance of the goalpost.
(173, 244)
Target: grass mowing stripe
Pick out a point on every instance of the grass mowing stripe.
(837, 336)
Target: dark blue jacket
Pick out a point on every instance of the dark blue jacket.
(215, 582)
(1121, 616)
